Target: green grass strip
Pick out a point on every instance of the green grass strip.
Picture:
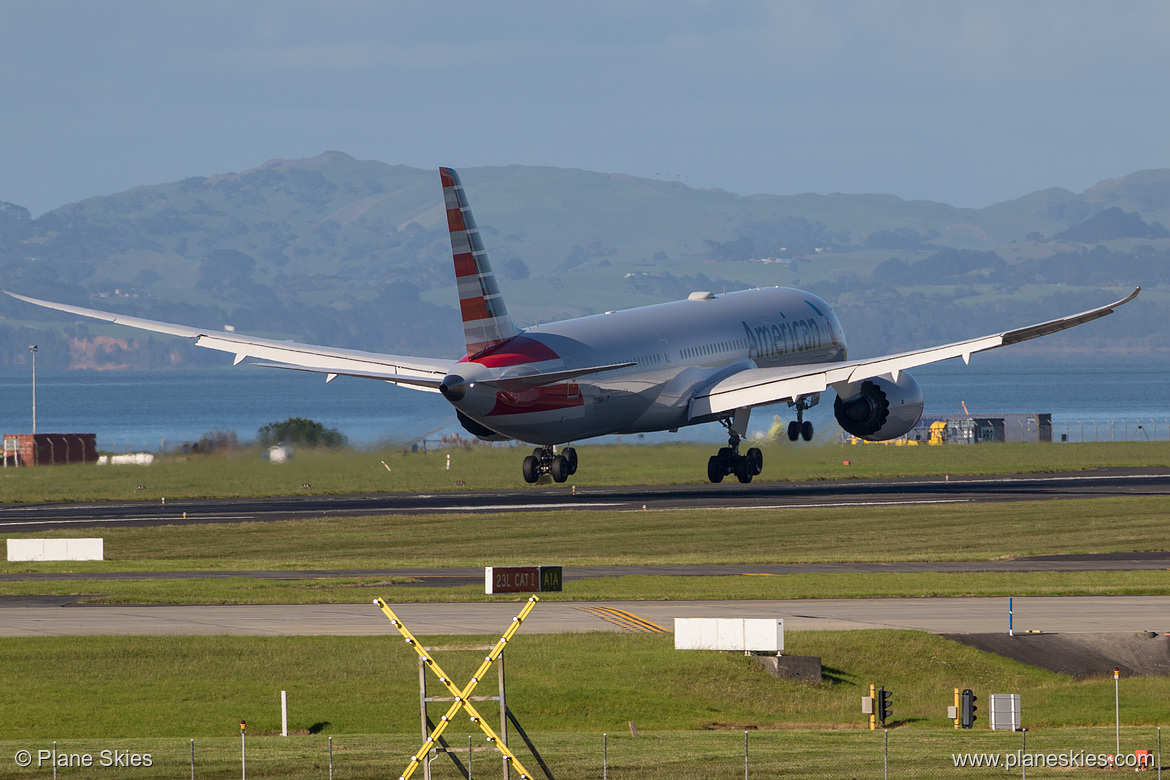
(935, 532)
(202, 686)
(246, 474)
(357, 590)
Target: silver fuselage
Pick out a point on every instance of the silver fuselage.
(677, 348)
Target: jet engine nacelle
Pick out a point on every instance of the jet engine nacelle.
(464, 389)
(882, 409)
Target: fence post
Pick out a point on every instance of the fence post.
(745, 754)
(886, 757)
(1024, 755)
(331, 758)
(605, 756)
(192, 759)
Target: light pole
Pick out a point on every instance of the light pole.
(33, 349)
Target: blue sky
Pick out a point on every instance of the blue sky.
(968, 103)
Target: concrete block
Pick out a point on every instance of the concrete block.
(806, 668)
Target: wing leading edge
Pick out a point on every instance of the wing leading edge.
(415, 372)
(755, 387)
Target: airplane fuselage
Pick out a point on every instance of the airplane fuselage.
(676, 348)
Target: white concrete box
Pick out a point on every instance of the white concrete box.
(56, 549)
(754, 635)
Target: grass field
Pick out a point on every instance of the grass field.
(245, 473)
(360, 590)
(691, 708)
(936, 532)
(945, 532)
(82, 687)
(652, 755)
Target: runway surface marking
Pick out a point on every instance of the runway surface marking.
(627, 620)
(129, 520)
(515, 507)
(839, 504)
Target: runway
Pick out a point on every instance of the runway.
(1064, 614)
(902, 492)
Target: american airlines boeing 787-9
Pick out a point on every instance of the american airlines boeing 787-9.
(707, 358)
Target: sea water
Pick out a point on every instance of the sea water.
(1099, 398)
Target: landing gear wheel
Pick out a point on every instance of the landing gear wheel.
(806, 430)
(715, 469)
(559, 468)
(756, 459)
(531, 469)
(570, 456)
(744, 470)
(793, 430)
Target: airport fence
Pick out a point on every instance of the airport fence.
(847, 754)
(1125, 429)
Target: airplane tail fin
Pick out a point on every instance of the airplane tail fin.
(485, 316)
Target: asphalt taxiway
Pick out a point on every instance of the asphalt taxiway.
(1066, 614)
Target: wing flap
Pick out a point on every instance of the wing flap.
(759, 386)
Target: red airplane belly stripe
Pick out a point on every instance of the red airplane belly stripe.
(516, 352)
(541, 399)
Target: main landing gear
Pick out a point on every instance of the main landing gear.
(800, 428)
(545, 460)
(728, 460)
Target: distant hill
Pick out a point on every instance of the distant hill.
(355, 253)
(1110, 225)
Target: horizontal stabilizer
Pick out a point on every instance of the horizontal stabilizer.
(516, 384)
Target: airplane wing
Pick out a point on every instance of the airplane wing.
(759, 386)
(415, 372)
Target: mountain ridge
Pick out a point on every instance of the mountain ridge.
(332, 249)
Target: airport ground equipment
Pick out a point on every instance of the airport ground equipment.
(967, 713)
(523, 579)
(1005, 711)
(884, 705)
(461, 699)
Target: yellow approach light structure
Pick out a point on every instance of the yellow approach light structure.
(462, 697)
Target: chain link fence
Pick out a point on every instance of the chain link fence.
(846, 754)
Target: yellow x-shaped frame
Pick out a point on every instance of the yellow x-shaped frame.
(462, 697)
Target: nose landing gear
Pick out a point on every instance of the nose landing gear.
(801, 428)
(545, 460)
(728, 460)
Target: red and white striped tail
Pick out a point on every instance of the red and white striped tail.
(485, 316)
